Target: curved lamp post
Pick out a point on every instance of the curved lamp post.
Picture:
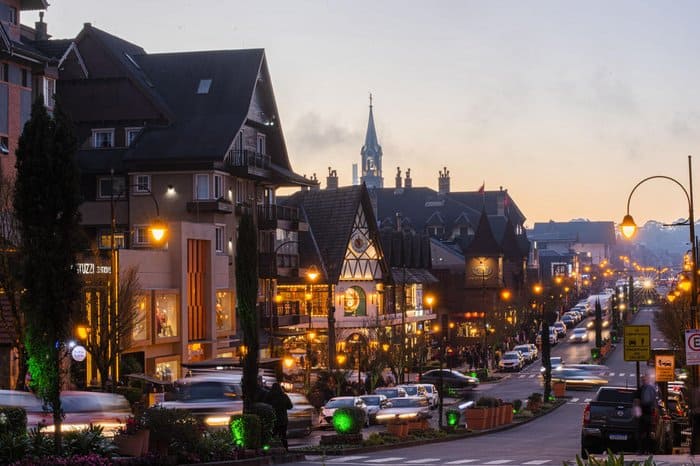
(629, 228)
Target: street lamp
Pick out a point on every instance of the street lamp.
(629, 227)
(537, 290)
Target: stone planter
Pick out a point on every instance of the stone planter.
(421, 424)
(509, 413)
(134, 444)
(399, 429)
(477, 418)
(559, 389)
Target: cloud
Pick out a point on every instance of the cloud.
(311, 133)
(685, 125)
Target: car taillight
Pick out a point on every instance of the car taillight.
(586, 415)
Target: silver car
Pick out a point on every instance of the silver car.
(374, 404)
(342, 402)
(408, 408)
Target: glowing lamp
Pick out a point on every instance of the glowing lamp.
(628, 228)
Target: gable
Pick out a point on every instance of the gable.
(362, 253)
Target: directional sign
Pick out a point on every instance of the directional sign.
(692, 347)
(637, 342)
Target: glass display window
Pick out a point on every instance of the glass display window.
(167, 369)
(166, 314)
(143, 309)
(224, 306)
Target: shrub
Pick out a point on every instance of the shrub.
(245, 431)
(76, 460)
(13, 446)
(612, 460)
(173, 428)
(348, 420)
(487, 402)
(517, 404)
(482, 374)
(535, 397)
(267, 421)
(132, 394)
(13, 420)
(374, 439)
(524, 414)
(40, 443)
(87, 441)
(216, 445)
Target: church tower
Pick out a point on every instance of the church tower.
(372, 155)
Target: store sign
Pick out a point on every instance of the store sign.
(665, 368)
(87, 268)
(692, 347)
(79, 353)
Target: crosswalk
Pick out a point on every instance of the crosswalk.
(401, 460)
(528, 375)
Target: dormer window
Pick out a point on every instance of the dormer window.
(130, 134)
(102, 138)
(261, 144)
(203, 87)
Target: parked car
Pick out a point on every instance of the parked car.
(432, 394)
(108, 410)
(535, 350)
(454, 382)
(414, 390)
(577, 378)
(568, 320)
(579, 335)
(300, 416)
(560, 328)
(527, 352)
(406, 408)
(213, 398)
(511, 361)
(553, 337)
(374, 404)
(390, 392)
(342, 402)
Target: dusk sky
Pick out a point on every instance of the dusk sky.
(565, 104)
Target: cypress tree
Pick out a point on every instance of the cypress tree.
(46, 201)
(247, 291)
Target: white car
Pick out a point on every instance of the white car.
(511, 361)
(342, 402)
(579, 335)
(526, 351)
(432, 394)
(405, 408)
(374, 404)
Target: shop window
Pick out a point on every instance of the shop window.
(104, 240)
(167, 369)
(223, 310)
(143, 309)
(166, 315)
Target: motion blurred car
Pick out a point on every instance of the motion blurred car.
(390, 392)
(577, 378)
(568, 320)
(300, 416)
(560, 328)
(554, 361)
(511, 361)
(526, 350)
(374, 404)
(454, 382)
(596, 369)
(342, 402)
(406, 408)
(579, 335)
(212, 398)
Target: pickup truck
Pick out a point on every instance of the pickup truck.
(608, 423)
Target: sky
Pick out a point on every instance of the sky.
(565, 104)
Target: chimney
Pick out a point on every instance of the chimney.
(398, 221)
(40, 28)
(398, 178)
(317, 186)
(444, 181)
(332, 179)
(409, 182)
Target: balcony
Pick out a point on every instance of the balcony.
(248, 162)
(218, 206)
(278, 265)
(271, 217)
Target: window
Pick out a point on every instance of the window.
(218, 186)
(240, 191)
(238, 143)
(219, 238)
(143, 311)
(12, 15)
(223, 310)
(130, 134)
(5, 72)
(141, 237)
(102, 138)
(4, 145)
(104, 240)
(25, 78)
(111, 186)
(166, 314)
(142, 184)
(261, 144)
(201, 187)
(167, 370)
(203, 87)
(49, 90)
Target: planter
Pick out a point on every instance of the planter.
(559, 389)
(503, 414)
(134, 444)
(421, 424)
(398, 429)
(509, 413)
(477, 418)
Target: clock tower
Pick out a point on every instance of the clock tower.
(372, 155)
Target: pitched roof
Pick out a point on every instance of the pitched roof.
(491, 200)
(484, 241)
(53, 48)
(581, 232)
(371, 146)
(330, 215)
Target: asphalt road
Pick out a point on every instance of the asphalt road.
(549, 440)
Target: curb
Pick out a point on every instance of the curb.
(416, 443)
(260, 460)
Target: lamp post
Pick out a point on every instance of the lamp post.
(537, 290)
(628, 230)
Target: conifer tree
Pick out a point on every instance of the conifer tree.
(46, 201)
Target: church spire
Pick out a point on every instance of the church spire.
(372, 154)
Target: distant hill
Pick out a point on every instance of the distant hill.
(658, 244)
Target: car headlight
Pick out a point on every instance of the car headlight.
(385, 417)
(217, 421)
(407, 415)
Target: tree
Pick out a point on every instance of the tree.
(247, 291)
(46, 202)
(107, 338)
(672, 320)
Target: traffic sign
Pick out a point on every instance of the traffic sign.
(637, 342)
(692, 347)
(665, 368)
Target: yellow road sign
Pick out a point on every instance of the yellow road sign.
(637, 342)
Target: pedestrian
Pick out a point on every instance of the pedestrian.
(645, 399)
(261, 391)
(280, 403)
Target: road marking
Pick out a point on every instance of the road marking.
(538, 462)
(574, 400)
(522, 376)
(621, 374)
(345, 459)
(461, 461)
(424, 460)
(532, 376)
(385, 460)
(587, 400)
(498, 462)
(612, 374)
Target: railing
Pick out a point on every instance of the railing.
(248, 158)
(277, 212)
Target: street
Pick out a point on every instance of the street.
(550, 439)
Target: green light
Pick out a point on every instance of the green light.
(452, 418)
(343, 422)
(473, 374)
(266, 447)
(238, 431)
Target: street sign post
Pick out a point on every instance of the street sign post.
(637, 342)
(692, 347)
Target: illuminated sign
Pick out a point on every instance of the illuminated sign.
(87, 268)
